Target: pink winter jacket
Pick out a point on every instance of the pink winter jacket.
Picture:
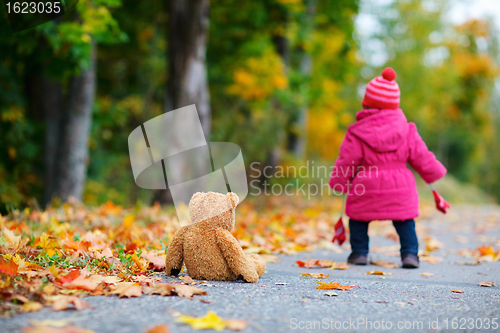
(372, 166)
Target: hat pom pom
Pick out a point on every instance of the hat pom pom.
(389, 74)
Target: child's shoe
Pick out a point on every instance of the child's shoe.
(357, 259)
(410, 261)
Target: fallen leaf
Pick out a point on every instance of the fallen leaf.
(128, 289)
(432, 244)
(39, 328)
(431, 259)
(82, 282)
(316, 275)
(210, 321)
(332, 285)
(378, 273)
(270, 258)
(186, 279)
(73, 274)
(50, 322)
(130, 247)
(384, 263)
(456, 291)
(8, 267)
(157, 263)
(486, 250)
(188, 291)
(487, 284)
(162, 289)
(427, 274)
(69, 302)
(236, 324)
(106, 279)
(331, 293)
(12, 241)
(32, 307)
(314, 262)
(339, 265)
(158, 329)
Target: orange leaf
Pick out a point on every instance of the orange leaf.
(377, 273)
(8, 267)
(332, 285)
(316, 275)
(324, 263)
(486, 250)
(457, 291)
(73, 274)
(314, 262)
(158, 329)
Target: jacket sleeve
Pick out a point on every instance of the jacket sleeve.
(422, 160)
(346, 165)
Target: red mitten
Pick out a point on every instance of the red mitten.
(441, 204)
(339, 232)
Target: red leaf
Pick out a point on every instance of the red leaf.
(130, 248)
(8, 267)
(70, 276)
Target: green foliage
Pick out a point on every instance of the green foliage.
(57, 49)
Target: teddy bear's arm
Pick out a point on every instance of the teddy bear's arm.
(175, 253)
(235, 258)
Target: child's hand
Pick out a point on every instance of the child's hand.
(441, 204)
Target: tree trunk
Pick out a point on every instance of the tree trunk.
(187, 42)
(52, 106)
(188, 84)
(73, 144)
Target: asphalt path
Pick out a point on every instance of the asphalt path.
(283, 301)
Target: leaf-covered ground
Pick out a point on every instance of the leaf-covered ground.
(57, 257)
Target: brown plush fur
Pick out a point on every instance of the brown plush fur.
(207, 246)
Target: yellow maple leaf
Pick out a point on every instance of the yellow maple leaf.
(210, 321)
(46, 244)
(128, 220)
(12, 241)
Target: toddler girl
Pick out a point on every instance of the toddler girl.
(371, 168)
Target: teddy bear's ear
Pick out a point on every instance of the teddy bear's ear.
(233, 199)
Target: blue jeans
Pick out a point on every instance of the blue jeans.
(405, 230)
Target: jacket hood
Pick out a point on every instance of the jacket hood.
(382, 130)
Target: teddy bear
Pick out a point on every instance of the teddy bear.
(207, 246)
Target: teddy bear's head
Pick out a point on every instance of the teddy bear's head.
(213, 206)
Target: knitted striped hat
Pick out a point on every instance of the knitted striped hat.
(383, 92)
